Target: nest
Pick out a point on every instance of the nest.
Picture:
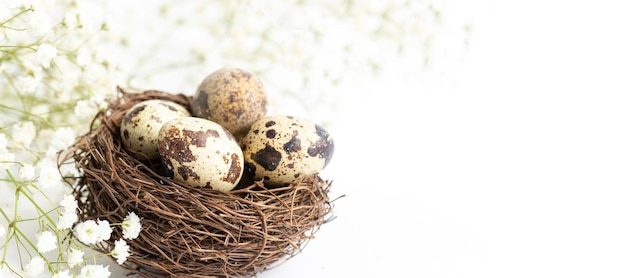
(187, 231)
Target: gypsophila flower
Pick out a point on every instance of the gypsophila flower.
(69, 203)
(62, 274)
(46, 242)
(104, 230)
(28, 84)
(87, 232)
(74, 257)
(35, 266)
(49, 176)
(131, 226)
(94, 271)
(27, 171)
(66, 220)
(24, 133)
(92, 232)
(45, 54)
(63, 138)
(120, 251)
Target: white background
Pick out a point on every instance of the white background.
(513, 168)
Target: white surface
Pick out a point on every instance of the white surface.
(515, 170)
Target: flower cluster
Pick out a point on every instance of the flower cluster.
(53, 80)
(89, 232)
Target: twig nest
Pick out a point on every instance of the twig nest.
(190, 231)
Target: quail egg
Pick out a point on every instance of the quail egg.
(280, 149)
(200, 153)
(140, 126)
(231, 97)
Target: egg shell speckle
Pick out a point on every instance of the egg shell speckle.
(140, 126)
(280, 149)
(200, 153)
(231, 97)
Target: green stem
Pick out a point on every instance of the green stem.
(30, 9)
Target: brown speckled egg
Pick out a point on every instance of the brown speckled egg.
(140, 126)
(280, 149)
(200, 153)
(231, 97)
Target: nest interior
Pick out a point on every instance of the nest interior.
(187, 231)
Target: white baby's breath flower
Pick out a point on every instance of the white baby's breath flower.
(94, 271)
(24, 133)
(46, 242)
(87, 232)
(3, 231)
(69, 203)
(35, 266)
(63, 138)
(75, 257)
(104, 230)
(66, 220)
(39, 22)
(28, 84)
(83, 57)
(92, 232)
(131, 226)
(120, 251)
(85, 109)
(27, 171)
(62, 274)
(49, 176)
(45, 54)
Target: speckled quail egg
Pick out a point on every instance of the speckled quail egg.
(140, 126)
(231, 97)
(200, 153)
(280, 149)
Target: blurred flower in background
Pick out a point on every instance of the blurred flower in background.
(60, 60)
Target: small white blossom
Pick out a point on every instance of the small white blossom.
(85, 109)
(24, 133)
(3, 231)
(45, 54)
(75, 257)
(35, 266)
(92, 232)
(49, 176)
(27, 171)
(104, 230)
(94, 271)
(63, 138)
(39, 22)
(46, 242)
(83, 57)
(69, 203)
(131, 226)
(87, 232)
(28, 84)
(62, 274)
(66, 220)
(120, 251)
